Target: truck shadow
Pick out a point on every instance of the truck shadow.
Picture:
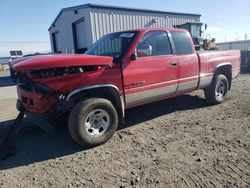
(36, 146)
(154, 110)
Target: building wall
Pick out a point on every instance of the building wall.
(235, 45)
(105, 21)
(4, 60)
(63, 25)
(100, 21)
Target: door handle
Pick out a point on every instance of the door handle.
(174, 63)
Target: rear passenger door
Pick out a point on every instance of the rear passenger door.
(188, 61)
(153, 77)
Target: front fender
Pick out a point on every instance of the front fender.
(115, 97)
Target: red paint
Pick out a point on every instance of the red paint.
(36, 103)
(209, 60)
(146, 73)
(67, 83)
(52, 61)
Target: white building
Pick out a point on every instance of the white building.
(76, 28)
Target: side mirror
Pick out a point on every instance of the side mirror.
(133, 56)
(143, 50)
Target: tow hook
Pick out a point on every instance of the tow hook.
(7, 144)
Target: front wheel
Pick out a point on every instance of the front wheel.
(218, 89)
(93, 122)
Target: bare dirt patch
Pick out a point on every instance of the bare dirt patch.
(180, 142)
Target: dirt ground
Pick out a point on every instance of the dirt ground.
(180, 142)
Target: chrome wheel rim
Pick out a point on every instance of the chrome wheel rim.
(221, 90)
(97, 122)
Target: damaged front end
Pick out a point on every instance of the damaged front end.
(44, 81)
(34, 97)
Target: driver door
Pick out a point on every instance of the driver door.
(152, 76)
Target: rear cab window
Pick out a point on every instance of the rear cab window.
(182, 43)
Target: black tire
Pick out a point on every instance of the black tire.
(80, 118)
(217, 90)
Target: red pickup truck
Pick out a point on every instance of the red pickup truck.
(120, 71)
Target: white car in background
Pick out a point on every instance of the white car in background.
(6, 67)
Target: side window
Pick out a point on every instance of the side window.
(159, 42)
(182, 43)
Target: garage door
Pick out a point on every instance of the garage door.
(56, 44)
(80, 42)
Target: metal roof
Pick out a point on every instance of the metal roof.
(90, 5)
(153, 29)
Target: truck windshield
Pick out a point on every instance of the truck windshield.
(113, 45)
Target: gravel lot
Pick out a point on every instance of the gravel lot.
(180, 142)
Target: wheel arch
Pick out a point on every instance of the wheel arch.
(225, 69)
(106, 91)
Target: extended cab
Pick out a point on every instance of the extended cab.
(120, 71)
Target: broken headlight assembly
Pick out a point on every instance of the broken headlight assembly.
(62, 71)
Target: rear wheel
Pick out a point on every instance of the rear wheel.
(93, 122)
(218, 89)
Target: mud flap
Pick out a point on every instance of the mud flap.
(7, 144)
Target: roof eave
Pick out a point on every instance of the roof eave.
(89, 5)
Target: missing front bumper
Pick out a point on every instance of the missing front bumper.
(35, 103)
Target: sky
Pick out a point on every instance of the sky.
(24, 23)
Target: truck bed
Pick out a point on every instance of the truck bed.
(209, 60)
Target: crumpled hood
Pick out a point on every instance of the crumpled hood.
(55, 61)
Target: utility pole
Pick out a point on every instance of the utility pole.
(246, 36)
